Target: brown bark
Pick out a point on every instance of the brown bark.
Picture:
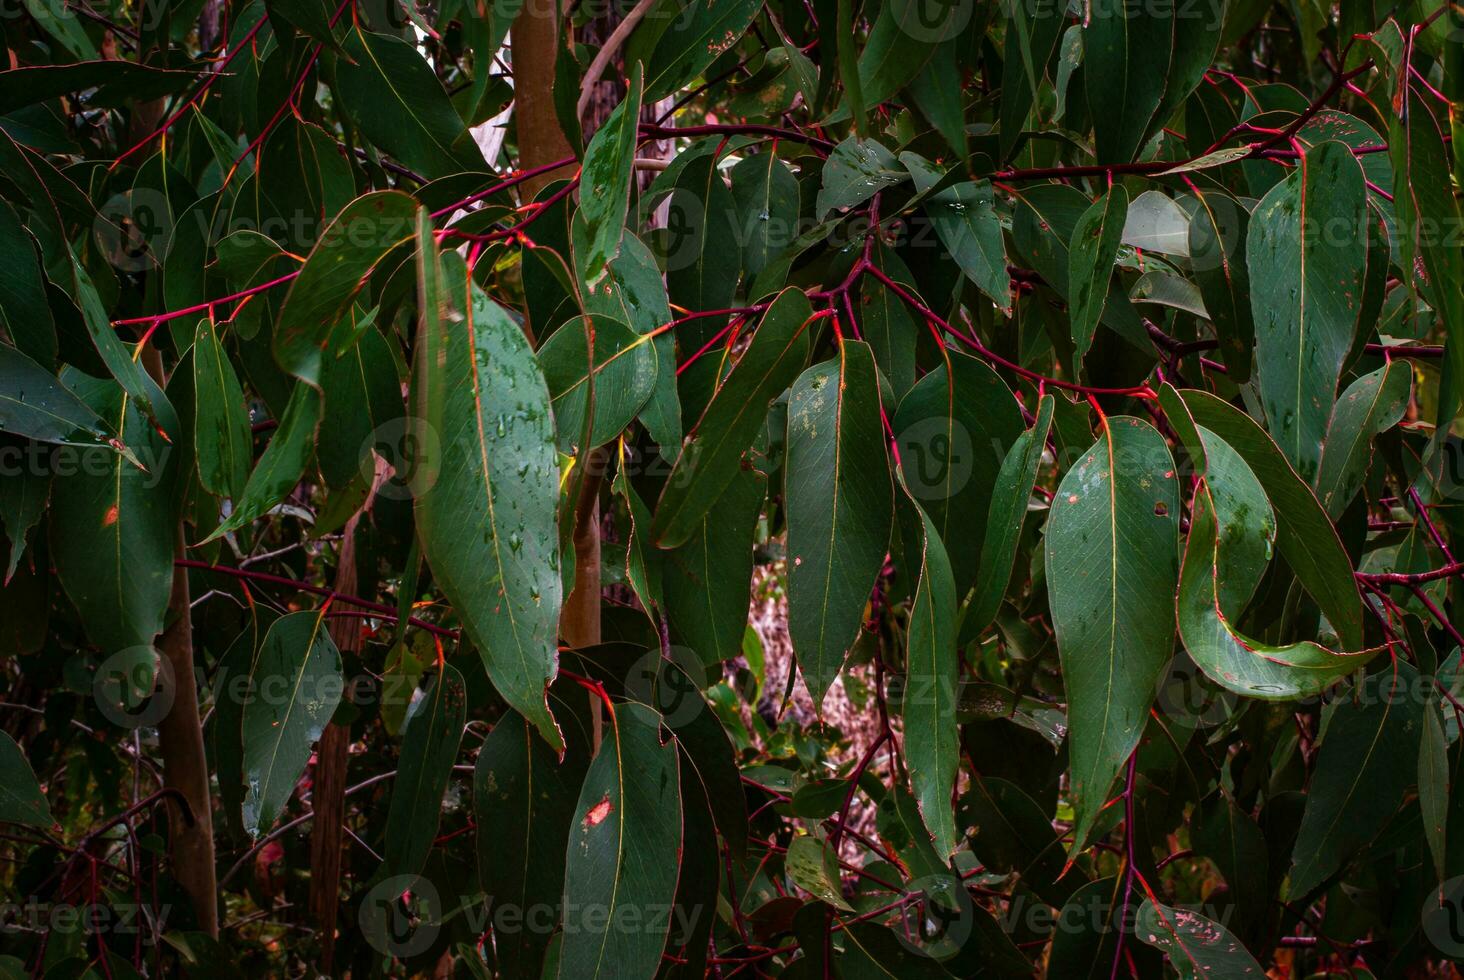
(328, 782)
(185, 766)
(180, 742)
(579, 622)
(536, 40)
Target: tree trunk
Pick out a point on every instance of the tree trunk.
(180, 741)
(328, 781)
(535, 45)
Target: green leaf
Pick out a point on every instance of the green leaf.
(34, 404)
(697, 36)
(706, 578)
(24, 310)
(1370, 406)
(624, 851)
(1031, 37)
(524, 794)
(1091, 255)
(1232, 531)
(814, 867)
(840, 503)
(1304, 535)
(932, 735)
(1306, 252)
(21, 799)
(363, 401)
(120, 361)
(1126, 50)
(223, 441)
(613, 393)
(396, 99)
(1011, 833)
(113, 526)
(1217, 246)
(964, 216)
(1427, 212)
(297, 684)
(953, 429)
(24, 496)
(360, 237)
(1198, 948)
(1010, 499)
(634, 292)
(766, 197)
(605, 181)
(429, 748)
(283, 463)
(702, 250)
(116, 82)
(1367, 762)
(1111, 561)
(857, 170)
(713, 451)
(485, 501)
(1434, 786)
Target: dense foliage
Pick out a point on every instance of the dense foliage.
(426, 430)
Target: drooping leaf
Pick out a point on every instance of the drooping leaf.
(932, 742)
(429, 748)
(766, 196)
(113, 528)
(1126, 50)
(24, 311)
(1010, 498)
(396, 99)
(1370, 406)
(964, 216)
(360, 236)
(24, 497)
(623, 853)
(1424, 207)
(840, 503)
(485, 503)
(1112, 567)
(120, 362)
(605, 181)
(1217, 246)
(1306, 252)
(222, 439)
(1304, 535)
(713, 451)
(296, 685)
(707, 578)
(363, 403)
(1367, 761)
(282, 464)
(21, 799)
(701, 246)
(523, 793)
(1091, 254)
(953, 429)
(1232, 531)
